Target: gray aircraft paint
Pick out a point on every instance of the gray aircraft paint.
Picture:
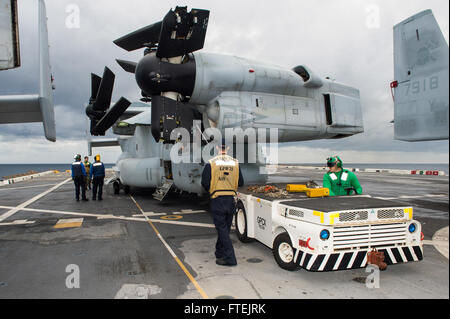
(238, 92)
(421, 69)
(34, 108)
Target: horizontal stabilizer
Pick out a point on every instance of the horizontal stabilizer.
(104, 142)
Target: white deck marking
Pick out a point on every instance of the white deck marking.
(11, 188)
(165, 221)
(183, 212)
(440, 241)
(109, 216)
(30, 201)
(18, 222)
(58, 212)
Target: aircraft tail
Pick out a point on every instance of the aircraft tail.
(34, 108)
(45, 77)
(421, 60)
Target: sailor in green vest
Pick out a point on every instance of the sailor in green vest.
(340, 181)
(221, 178)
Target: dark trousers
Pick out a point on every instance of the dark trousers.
(80, 183)
(223, 209)
(97, 184)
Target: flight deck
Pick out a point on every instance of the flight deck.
(132, 246)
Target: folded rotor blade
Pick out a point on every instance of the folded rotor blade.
(95, 84)
(182, 32)
(103, 98)
(140, 38)
(111, 116)
(128, 66)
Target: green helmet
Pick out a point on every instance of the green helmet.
(331, 161)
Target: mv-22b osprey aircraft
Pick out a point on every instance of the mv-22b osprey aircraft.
(198, 91)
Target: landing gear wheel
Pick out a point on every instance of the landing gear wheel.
(126, 189)
(116, 188)
(284, 252)
(240, 220)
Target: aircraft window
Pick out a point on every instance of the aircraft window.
(257, 103)
(295, 111)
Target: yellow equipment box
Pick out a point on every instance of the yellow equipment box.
(317, 192)
(291, 188)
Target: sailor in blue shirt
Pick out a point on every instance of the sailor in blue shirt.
(98, 174)
(79, 178)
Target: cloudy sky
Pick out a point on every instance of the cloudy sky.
(348, 40)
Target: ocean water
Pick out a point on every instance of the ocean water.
(12, 169)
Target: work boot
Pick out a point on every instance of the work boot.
(100, 198)
(85, 199)
(223, 262)
(93, 198)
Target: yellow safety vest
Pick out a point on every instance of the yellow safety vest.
(224, 176)
(87, 167)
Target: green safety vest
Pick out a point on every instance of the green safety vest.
(341, 183)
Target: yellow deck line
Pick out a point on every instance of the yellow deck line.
(180, 264)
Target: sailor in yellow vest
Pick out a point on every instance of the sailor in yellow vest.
(221, 178)
(87, 167)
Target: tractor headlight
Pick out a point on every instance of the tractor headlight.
(324, 234)
(412, 227)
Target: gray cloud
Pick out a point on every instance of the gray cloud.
(331, 37)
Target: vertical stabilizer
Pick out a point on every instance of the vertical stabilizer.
(45, 77)
(421, 79)
(9, 35)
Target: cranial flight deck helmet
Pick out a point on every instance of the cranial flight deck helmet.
(77, 157)
(331, 161)
(97, 158)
